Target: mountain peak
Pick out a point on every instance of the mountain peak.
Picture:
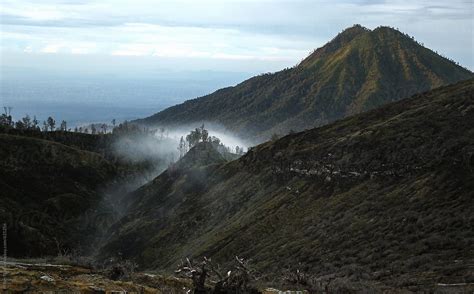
(347, 36)
(390, 32)
(386, 29)
(338, 41)
(355, 29)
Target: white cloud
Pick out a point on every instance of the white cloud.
(264, 30)
(133, 50)
(51, 48)
(28, 49)
(65, 47)
(35, 13)
(83, 48)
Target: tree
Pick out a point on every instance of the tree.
(35, 123)
(182, 147)
(205, 135)
(51, 123)
(189, 139)
(239, 150)
(45, 126)
(93, 129)
(194, 137)
(20, 125)
(197, 135)
(197, 273)
(6, 118)
(26, 122)
(237, 279)
(8, 110)
(63, 126)
(114, 122)
(104, 128)
(215, 141)
(162, 133)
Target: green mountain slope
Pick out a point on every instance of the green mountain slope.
(384, 196)
(358, 70)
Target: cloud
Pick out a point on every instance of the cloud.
(28, 49)
(83, 48)
(277, 30)
(142, 39)
(51, 48)
(65, 47)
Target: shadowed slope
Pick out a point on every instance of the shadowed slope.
(46, 187)
(385, 195)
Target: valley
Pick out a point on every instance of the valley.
(350, 172)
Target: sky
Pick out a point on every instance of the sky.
(255, 36)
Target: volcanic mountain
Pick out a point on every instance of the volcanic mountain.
(360, 69)
(385, 195)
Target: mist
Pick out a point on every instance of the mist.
(226, 136)
(148, 154)
(161, 147)
(151, 152)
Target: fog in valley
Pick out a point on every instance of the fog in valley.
(152, 152)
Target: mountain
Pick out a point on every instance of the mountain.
(384, 197)
(360, 69)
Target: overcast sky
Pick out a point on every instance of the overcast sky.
(239, 35)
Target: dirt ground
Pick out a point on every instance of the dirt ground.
(49, 278)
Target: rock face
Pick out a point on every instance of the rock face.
(360, 69)
(383, 196)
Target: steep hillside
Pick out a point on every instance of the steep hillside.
(358, 70)
(46, 189)
(385, 196)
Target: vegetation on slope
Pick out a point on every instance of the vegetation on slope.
(358, 70)
(385, 196)
(46, 189)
